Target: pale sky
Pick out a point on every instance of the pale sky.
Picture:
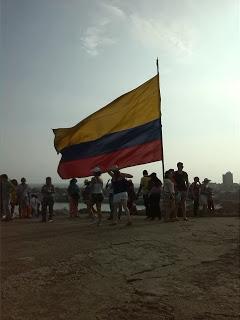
(62, 60)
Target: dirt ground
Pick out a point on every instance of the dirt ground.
(71, 270)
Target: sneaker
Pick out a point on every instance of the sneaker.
(50, 220)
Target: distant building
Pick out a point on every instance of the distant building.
(228, 180)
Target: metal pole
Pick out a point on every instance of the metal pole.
(160, 120)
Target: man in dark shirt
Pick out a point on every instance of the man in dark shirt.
(194, 191)
(181, 188)
(47, 200)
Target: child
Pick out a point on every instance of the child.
(97, 192)
(194, 194)
(169, 197)
(47, 191)
(86, 195)
(204, 194)
(35, 205)
(131, 198)
(210, 203)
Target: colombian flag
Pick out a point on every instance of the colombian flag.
(126, 132)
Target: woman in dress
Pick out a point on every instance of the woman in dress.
(169, 197)
(97, 192)
(74, 196)
(13, 197)
(86, 194)
(120, 195)
(23, 196)
(155, 188)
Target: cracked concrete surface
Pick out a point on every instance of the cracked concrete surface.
(74, 270)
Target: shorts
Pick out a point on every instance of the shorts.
(181, 196)
(203, 199)
(118, 197)
(97, 198)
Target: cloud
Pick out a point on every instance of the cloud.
(114, 10)
(173, 38)
(96, 37)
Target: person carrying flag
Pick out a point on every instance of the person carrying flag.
(120, 195)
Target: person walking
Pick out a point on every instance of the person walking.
(120, 195)
(109, 190)
(48, 192)
(210, 202)
(144, 190)
(181, 188)
(23, 196)
(1, 197)
(35, 205)
(74, 196)
(86, 195)
(194, 194)
(5, 190)
(154, 196)
(13, 197)
(204, 195)
(131, 198)
(97, 192)
(169, 197)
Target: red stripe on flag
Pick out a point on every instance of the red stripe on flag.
(128, 157)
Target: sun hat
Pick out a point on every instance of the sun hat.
(115, 168)
(97, 169)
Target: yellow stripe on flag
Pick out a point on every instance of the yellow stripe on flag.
(130, 110)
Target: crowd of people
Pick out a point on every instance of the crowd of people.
(174, 193)
(14, 195)
(165, 200)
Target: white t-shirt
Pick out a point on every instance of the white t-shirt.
(168, 186)
(34, 203)
(97, 186)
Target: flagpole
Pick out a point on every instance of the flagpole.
(160, 120)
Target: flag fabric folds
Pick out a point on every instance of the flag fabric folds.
(126, 132)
